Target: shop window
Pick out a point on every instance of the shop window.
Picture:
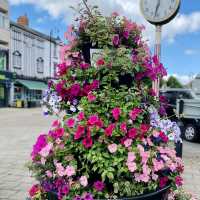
(55, 68)
(40, 65)
(55, 50)
(17, 59)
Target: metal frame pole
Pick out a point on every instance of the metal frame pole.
(157, 52)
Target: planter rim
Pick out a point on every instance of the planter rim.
(140, 197)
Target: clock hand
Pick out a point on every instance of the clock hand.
(157, 7)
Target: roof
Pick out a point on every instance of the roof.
(34, 32)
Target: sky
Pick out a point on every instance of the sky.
(180, 38)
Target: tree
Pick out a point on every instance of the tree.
(173, 82)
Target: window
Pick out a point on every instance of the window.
(17, 59)
(2, 60)
(40, 65)
(17, 35)
(17, 92)
(4, 21)
(55, 50)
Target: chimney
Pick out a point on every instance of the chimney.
(23, 20)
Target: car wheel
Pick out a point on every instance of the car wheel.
(190, 133)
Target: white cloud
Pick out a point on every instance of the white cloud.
(182, 24)
(190, 52)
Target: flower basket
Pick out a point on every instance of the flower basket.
(114, 142)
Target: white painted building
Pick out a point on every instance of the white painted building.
(33, 60)
(196, 85)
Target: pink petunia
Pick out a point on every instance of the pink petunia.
(70, 171)
(49, 174)
(91, 97)
(134, 113)
(109, 130)
(46, 150)
(131, 157)
(145, 156)
(83, 181)
(179, 181)
(34, 190)
(70, 122)
(116, 113)
(87, 142)
(132, 133)
(79, 132)
(100, 62)
(81, 116)
(128, 142)
(93, 119)
(55, 123)
(131, 166)
(157, 165)
(112, 148)
(123, 127)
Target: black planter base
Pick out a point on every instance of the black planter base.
(158, 195)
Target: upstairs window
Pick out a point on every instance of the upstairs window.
(40, 65)
(17, 59)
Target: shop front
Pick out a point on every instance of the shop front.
(5, 84)
(28, 93)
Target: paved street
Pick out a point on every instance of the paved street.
(18, 131)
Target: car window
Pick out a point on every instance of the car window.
(185, 95)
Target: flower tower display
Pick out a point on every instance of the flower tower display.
(110, 141)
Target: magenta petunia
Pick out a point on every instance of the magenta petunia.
(109, 130)
(81, 116)
(123, 127)
(93, 119)
(87, 142)
(99, 186)
(79, 132)
(100, 62)
(116, 113)
(34, 190)
(132, 133)
(70, 122)
(179, 181)
(163, 181)
(91, 97)
(134, 113)
(115, 40)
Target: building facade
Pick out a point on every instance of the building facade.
(33, 60)
(196, 85)
(5, 75)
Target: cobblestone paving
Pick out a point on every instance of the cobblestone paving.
(18, 131)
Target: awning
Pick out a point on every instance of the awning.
(32, 85)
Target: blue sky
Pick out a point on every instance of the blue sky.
(181, 38)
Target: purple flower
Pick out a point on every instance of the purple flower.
(126, 34)
(88, 196)
(99, 185)
(77, 198)
(75, 90)
(115, 40)
(40, 143)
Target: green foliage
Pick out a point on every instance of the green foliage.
(173, 82)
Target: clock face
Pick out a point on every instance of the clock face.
(159, 11)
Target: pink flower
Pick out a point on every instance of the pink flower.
(70, 171)
(154, 177)
(145, 156)
(80, 116)
(132, 133)
(163, 181)
(109, 130)
(83, 181)
(75, 90)
(179, 181)
(34, 190)
(144, 178)
(79, 132)
(49, 174)
(144, 128)
(60, 169)
(131, 166)
(156, 133)
(100, 62)
(99, 185)
(84, 65)
(128, 142)
(116, 113)
(164, 137)
(87, 142)
(112, 148)
(158, 165)
(123, 127)
(93, 119)
(115, 40)
(134, 113)
(131, 157)
(46, 150)
(70, 122)
(115, 14)
(91, 97)
(56, 123)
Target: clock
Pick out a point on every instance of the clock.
(159, 12)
